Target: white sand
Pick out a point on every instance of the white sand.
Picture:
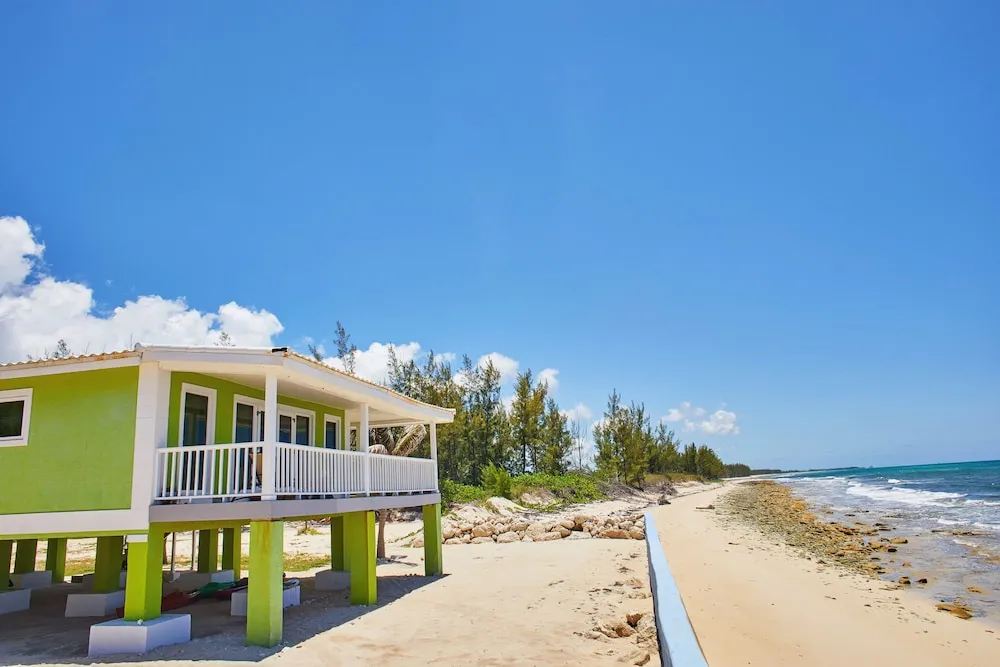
(754, 602)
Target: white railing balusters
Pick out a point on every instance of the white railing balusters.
(229, 471)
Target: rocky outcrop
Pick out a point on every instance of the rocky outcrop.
(773, 509)
(510, 529)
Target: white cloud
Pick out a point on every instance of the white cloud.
(720, 422)
(506, 366)
(579, 412)
(36, 311)
(373, 363)
(549, 376)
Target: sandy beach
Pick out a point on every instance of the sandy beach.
(754, 601)
(498, 604)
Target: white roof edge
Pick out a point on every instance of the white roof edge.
(297, 363)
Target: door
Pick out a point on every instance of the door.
(195, 430)
(249, 427)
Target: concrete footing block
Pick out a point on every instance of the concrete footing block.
(41, 579)
(190, 581)
(290, 597)
(120, 636)
(333, 580)
(88, 580)
(94, 604)
(15, 600)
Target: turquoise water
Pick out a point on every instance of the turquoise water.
(949, 511)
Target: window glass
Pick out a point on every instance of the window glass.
(301, 430)
(11, 418)
(244, 423)
(195, 420)
(332, 435)
(284, 428)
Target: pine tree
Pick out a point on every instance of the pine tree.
(526, 416)
(558, 442)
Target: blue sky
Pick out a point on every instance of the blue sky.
(786, 211)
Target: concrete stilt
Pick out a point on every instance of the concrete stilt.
(264, 592)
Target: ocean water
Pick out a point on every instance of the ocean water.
(950, 512)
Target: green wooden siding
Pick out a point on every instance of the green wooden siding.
(80, 443)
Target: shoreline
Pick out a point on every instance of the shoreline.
(754, 599)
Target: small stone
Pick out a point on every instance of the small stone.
(633, 618)
(568, 524)
(563, 531)
(417, 543)
(482, 540)
(534, 529)
(483, 530)
(899, 540)
(527, 538)
(637, 533)
(453, 540)
(508, 537)
(904, 581)
(922, 581)
(546, 537)
(614, 534)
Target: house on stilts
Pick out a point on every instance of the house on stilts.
(130, 447)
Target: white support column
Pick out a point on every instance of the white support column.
(434, 451)
(364, 436)
(270, 436)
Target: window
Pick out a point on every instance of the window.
(15, 415)
(197, 415)
(294, 427)
(331, 438)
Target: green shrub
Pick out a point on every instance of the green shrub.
(453, 492)
(496, 481)
(569, 488)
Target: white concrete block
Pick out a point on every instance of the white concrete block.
(290, 597)
(94, 604)
(88, 580)
(121, 636)
(18, 599)
(41, 579)
(189, 581)
(333, 580)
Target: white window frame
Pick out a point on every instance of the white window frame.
(211, 395)
(293, 412)
(15, 396)
(334, 419)
(258, 406)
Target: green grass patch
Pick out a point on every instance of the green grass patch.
(569, 488)
(453, 492)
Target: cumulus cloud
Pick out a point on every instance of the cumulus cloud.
(579, 412)
(37, 310)
(373, 363)
(506, 366)
(720, 422)
(549, 376)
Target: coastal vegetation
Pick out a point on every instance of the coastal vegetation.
(511, 447)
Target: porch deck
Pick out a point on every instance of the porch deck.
(236, 472)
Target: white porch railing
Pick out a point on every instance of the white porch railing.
(232, 471)
(401, 473)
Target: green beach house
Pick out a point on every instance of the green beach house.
(131, 446)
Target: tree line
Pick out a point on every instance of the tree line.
(531, 434)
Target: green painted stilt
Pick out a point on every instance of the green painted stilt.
(359, 529)
(144, 582)
(432, 540)
(6, 551)
(27, 552)
(208, 550)
(108, 564)
(232, 550)
(264, 593)
(55, 559)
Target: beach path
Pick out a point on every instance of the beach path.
(754, 602)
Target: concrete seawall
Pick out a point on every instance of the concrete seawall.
(679, 645)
